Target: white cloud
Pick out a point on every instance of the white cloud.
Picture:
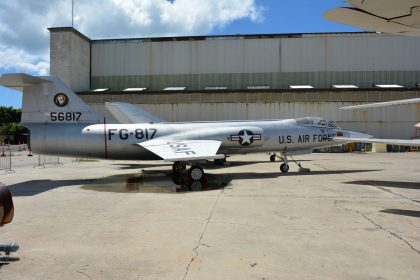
(20, 60)
(24, 38)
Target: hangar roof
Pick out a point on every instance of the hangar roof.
(210, 37)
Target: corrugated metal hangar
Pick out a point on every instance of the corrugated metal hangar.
(249, 76)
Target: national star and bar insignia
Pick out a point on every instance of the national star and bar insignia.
(245, 137)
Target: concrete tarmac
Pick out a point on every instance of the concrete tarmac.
(354, 216)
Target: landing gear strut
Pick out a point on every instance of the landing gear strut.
(179, 167)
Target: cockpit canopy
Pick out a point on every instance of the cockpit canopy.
(316, 121)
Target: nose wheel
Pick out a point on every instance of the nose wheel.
(284, 167)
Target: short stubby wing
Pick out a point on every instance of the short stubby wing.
(183, 150)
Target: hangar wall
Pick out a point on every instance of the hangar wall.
(235, 62)
(362, 59)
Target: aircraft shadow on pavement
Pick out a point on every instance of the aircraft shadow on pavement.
(266, 175)
(164, 181)
(212, 166)
(158, 182)
(4, 262)
(402, 212)
(391, 184)
(34, 187)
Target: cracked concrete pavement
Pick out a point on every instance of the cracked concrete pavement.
(354, 216)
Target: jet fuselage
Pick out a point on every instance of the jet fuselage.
(119, 141)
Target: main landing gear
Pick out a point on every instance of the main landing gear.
(193, 177)
(273, 157)
(195, 172)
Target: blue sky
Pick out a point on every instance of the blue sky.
(290, 16)
(253, 17)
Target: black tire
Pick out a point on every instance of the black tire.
(196, 173)
(273, 158)
(284, 167)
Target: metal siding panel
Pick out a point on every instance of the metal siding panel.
(303, 55)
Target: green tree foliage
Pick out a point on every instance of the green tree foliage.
(9, 121)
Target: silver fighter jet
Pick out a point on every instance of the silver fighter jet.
(60, 123)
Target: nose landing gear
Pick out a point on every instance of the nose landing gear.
(284, 167)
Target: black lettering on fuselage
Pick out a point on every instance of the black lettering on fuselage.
(123, 134)
(322, 138)
(281, 139)
(303, 138)
(139, 133)
(111, 133)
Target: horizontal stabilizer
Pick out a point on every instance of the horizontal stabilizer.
(129, 113)
(184, 150)
(20, 80)
(400, 142)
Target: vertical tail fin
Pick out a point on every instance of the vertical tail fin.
(48, 100)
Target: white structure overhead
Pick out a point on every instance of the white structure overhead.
(344, 86)
(101, 89)
(215, 88)
(175, 88)
(301, 87)
(258, 87)
(388, 86)
(388, 16)
(135, 89)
